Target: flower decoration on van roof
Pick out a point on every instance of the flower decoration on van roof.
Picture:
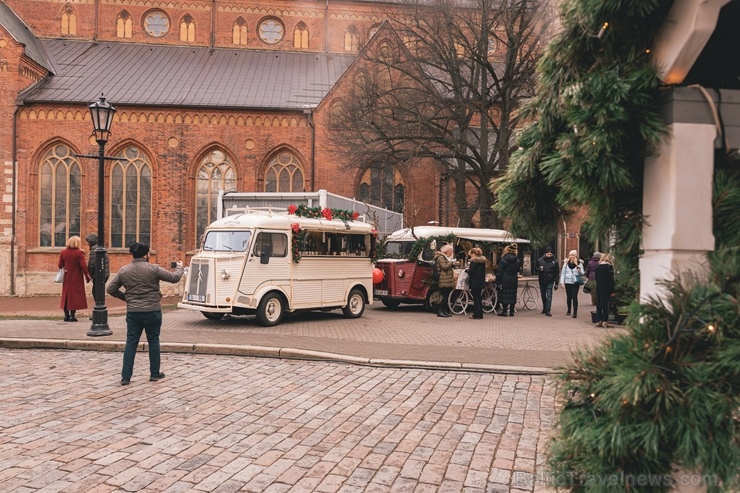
(318, 213)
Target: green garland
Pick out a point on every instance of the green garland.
(323, 213)
(595, 119)
(421, 243)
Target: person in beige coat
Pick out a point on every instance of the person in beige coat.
(445, 266)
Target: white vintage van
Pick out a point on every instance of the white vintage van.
(267, 263)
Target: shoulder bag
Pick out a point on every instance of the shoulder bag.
(59, 277)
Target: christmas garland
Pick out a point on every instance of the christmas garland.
(298, 237)
(323, 213)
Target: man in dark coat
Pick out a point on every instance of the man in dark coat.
(548, 271)
(92, 242)
(508, 279)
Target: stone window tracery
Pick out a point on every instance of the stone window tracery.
(124, 25)
(187, 29)
(300, 36)
(239, 32)
(156, 23)
(131, 199)
(60, 181)
(284, 173)
(215, 173)
(69, 21)
(271, 30)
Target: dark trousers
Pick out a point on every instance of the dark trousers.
(602, 308)
(443, 306)
(136, 323)
(546, 295)
(571, 292)
(477, 303)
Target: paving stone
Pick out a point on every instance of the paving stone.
(267, 425)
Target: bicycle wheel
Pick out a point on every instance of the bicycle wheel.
(530, 297)
(489, 298)
(458, 301)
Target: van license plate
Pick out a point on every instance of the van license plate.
(201, 298)
(381, 292)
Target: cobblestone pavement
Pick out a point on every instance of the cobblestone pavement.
(408, 333)
(220, 423)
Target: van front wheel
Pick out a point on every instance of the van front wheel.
(355, 304)
(270, 310)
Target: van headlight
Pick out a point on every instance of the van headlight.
(224, 274)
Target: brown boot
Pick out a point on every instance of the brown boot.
(599, 324)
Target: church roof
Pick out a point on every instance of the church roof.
(168, 75)
(20, 32)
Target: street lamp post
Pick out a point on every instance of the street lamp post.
(102, 118)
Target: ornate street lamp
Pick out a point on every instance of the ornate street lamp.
(102, 118)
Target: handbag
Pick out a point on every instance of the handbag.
(579, 279)
(59, 277)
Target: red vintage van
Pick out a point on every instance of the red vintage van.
(409, 253)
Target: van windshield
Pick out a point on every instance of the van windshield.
(402, 249)
(227, 241)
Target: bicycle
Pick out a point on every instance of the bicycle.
(529, 297)
(459, 300)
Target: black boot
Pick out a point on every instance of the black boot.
(72, 317)
(442, 313)
(66, 316)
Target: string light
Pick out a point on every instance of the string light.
(710, 328)
(602, 30)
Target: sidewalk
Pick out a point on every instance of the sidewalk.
(409, 337)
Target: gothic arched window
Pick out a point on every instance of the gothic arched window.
(284, 174)
(124, 25)
(300, 36)
(383, 187)
(60, 180)
(69, 21)
(187, 29)
(239, 32)
(214, 173)
(351, 39)
(130, 199)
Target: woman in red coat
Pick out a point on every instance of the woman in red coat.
(72, 259)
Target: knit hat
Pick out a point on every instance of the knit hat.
(573, 252)
(514, 248)
(549, 250)
(597, 254)
(139, 250)
(92, 238)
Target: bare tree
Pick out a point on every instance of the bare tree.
(443, 83)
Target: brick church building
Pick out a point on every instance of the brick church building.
(210, 95)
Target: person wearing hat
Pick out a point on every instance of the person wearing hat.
(143, 307)
(569, 278)
(590, 286)
(92, 242)
(547, 272)
(507, 277)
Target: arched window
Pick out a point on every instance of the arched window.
(284, 174)
(300, 36)
(239, 32)
(130, 199)
(271, 30)
(383, 187)
(59, 193)
(124, 25)
(336, 114)
(187, 29)
(214, 173)
(372, 32)
(69, 21)
(351, 39)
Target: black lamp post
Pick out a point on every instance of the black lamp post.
(102, 118)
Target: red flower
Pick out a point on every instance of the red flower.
(291, 209)
(295, 227)
(355, 215)
(326, 212)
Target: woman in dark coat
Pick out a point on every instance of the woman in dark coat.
(477, 280)
(604, 289)
(72, 259)
(507, 277)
